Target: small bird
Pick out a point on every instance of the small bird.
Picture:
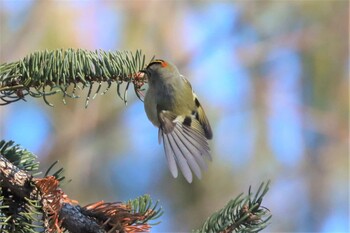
(173, 107)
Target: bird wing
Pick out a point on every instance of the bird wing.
(185, 144)
(199, 113)
(202, 118)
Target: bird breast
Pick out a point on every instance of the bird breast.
(150, 104)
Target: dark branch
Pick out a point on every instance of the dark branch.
(21, 184)
(75, 221)
(14, 178)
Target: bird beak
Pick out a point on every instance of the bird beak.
(145, 71)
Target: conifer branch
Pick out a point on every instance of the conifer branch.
(47, 73)
(19, 201)
(242, 214)
(29, 204)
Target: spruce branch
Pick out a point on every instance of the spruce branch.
(242, 214)
(46, 73)
(29, 204)
(20, 207)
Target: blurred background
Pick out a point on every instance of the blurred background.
(272, 76)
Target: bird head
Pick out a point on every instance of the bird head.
(158, 70)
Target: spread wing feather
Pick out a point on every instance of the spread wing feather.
(169, 153)
(192, 149)
(179, 156)
(181, 143)
(184, 145)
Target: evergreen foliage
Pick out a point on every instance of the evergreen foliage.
(19, 214)
(242, 214)
(46, 73)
